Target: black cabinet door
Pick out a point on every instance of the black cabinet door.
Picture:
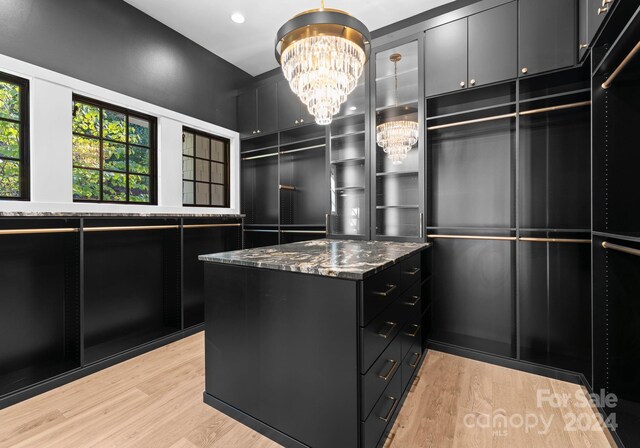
(583, 28)
(267, 108)
(288, 106)
(596, 14)
(493, 48)
(446, 58)
(247, 113)
(548, 35)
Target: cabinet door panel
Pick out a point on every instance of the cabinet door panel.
(267, 108)
(247, 112)
(595, 19)
(583, 28)
(288, 106)
(548, 36)
(446, 57)
(493, 51)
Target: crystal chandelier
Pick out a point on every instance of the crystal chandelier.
(322, 53)
(397, 137)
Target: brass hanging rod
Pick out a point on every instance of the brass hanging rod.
(206, 226)
(477, 120)
(287, 187)
(275, 154)
(555, 240)
(128, 228)
(37, 231)
(626, 250)
(510, 115)
(474, 237)
(625, 61)
(303, 149)
(512, 238)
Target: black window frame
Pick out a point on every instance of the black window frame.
(24, 123)
(227, 168)
(153, 151)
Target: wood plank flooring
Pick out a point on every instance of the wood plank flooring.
(155, 401)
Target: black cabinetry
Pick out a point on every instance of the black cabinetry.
(257, 110)
(547, 37)
(291, 111)
(457, 52)
(82, 293)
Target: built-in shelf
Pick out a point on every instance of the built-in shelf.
(471, 111)
(347, 134)
(266, 148)
(351, 161)
(386, 207)
(260, 225)
(303, 140)
(348, 188)
(397, 173)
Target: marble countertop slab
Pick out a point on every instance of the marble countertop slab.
(347, 259)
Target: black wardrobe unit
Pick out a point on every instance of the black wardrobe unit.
(80, 293)
(616, 219)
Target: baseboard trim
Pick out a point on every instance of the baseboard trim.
(72, 375)
(253, 423)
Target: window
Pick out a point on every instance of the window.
(14, 132)
(114, 154)
(205, 170)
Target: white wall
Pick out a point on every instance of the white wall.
(50, 150)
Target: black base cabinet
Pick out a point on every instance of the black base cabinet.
(78, 294)
(283, 355)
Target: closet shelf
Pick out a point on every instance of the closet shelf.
(347, 134)
(397, 173)
(470, 111)
(386, 207)
(354, 161)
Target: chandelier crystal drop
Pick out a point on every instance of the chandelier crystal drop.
(396, 138)
(323, 53)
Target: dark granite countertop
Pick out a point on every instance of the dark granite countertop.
(348, 259)
(36, 214)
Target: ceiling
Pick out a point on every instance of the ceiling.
(250, 45)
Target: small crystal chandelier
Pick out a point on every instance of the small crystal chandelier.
(323, 53)
(397, 137)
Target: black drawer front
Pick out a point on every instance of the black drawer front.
(377, 336)
(379, 376)
(373, 427)
(410, 363)
(410, 335)
(411, 271)
(412, 303)
(379, 291)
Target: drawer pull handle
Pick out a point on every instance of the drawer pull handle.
(415, 332)
(416, 300)
(391, 326)
(414, 271)
(415, 364)
(388, 291)
(387, 417)
(392, 370)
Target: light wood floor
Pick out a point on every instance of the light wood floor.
(155, 401)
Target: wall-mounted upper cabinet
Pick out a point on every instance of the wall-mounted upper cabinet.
(457, 52)
(291, 111)
(548, 35)
(597, 10)
(257, 110)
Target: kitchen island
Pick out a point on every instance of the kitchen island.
(315, 344)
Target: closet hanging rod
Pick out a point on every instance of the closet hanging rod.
(303, 149)
(206, 226)
(129, 228)
(476, 120)
(555, 240)
(275, 154)
(555, 108)
(625, 61)
(37, 231)
(510, 115)
(474, 237)
(626, 250)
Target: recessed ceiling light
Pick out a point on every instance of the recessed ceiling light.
(237, 17)
(353, 108)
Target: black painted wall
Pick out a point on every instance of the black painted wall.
(112, 44)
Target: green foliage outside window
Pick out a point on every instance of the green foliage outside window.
(10, 144)
(112, 155)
